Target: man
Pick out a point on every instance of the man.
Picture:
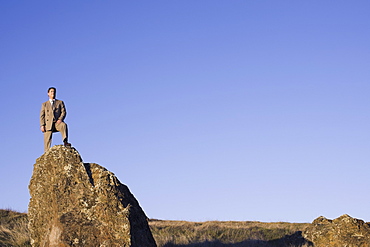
(52, 115)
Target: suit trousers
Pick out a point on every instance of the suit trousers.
(62, 128)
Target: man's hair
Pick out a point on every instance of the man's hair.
(52, 88)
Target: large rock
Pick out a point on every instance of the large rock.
(82, 204)
(342, 231)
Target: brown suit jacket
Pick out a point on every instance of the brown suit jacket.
(49, 115)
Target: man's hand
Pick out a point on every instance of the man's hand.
(42, 128)
(59, 121)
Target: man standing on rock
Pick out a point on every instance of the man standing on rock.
(52, 115)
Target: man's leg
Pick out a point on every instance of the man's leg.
(63, 129)
(47, 140)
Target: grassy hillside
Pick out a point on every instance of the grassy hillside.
(226, 233)
(13, 229)
(14, 232)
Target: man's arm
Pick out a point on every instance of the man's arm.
(42, 118)
(63, 111)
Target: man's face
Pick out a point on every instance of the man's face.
(51, 93)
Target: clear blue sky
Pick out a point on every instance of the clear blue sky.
(206, 109)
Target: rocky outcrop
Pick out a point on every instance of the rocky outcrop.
(82, 204)
(342, 231)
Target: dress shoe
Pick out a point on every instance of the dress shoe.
(67, 144)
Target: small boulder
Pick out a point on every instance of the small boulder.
(342, 231)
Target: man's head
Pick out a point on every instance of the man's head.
(52, 92)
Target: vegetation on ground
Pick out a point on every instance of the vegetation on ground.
(224, 233)
(14, 233)
(14, 229)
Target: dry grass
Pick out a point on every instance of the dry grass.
(13, 229)
(14, 232)
(222, 233)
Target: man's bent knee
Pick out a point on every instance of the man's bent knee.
(60, 126)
